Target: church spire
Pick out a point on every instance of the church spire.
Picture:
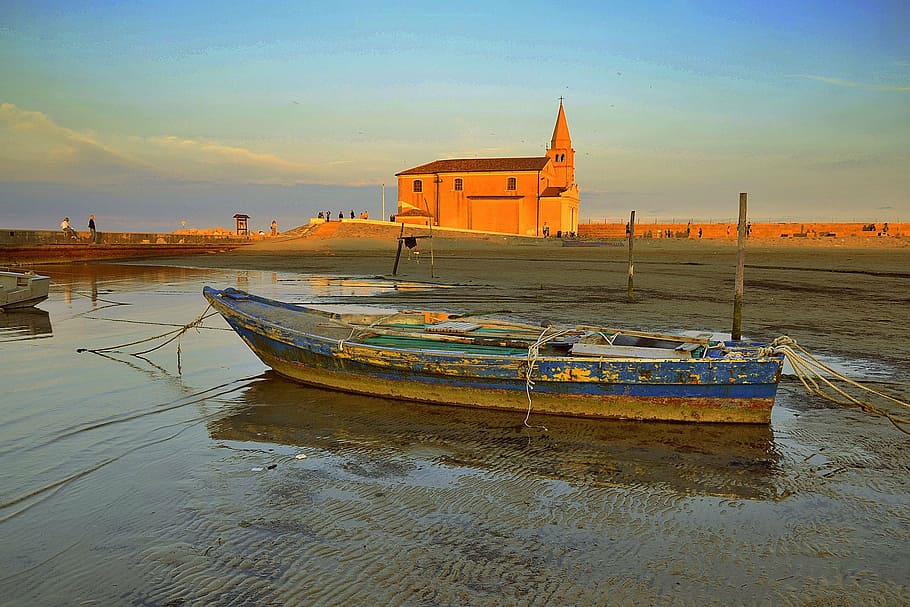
(560, 152)
(561, 137)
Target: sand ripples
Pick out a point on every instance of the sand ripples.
(277, 494)
(393, 505)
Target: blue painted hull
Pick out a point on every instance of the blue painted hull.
(715, 389)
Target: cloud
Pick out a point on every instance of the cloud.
(39, 123)
(201, 157)
(852, 84)
(37, 149)
(40, 148)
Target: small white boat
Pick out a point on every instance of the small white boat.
(22, 289)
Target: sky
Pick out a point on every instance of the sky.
(160, 115)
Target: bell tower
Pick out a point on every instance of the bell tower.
(560, 151)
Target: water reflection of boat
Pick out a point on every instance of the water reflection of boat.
(27, 323)
(22, 289)
(736, 460)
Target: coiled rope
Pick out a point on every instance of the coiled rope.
(817, 378)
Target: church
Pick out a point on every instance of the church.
(527, 196)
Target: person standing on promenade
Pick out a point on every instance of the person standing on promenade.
(91, 227)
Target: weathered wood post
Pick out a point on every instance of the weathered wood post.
(631, 263)
(398, 254)
(737, 331)
(432, 257)
(432, 221)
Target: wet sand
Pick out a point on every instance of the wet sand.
(268, 492)
(582, 514)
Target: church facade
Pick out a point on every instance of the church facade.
(526, 196)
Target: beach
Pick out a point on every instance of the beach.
(202, 478)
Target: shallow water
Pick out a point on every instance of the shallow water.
(203, 479)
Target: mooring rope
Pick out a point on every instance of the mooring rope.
(152, 323)
(533, 357)
(170, 335)
(815, 374)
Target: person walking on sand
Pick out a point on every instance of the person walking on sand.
(91, 227)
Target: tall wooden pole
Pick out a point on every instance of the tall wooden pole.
(631, 263)
(432, 257)
(737, 331)
(398, 254)
(432, 260)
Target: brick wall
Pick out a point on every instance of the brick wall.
(759, 230)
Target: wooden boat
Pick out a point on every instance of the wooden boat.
(443, 358)
(22, 289)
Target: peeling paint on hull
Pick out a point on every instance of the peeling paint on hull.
(694, 390)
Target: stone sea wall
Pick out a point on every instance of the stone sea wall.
(20, 247)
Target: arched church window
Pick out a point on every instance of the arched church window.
(418, 185)
(459, 184)
(512, 184)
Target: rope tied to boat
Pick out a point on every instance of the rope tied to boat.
(358, 329)
(818, 378)
(172, 335)
(607, 338)
(533, 356)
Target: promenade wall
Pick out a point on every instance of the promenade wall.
(12, 237)
(18, 247)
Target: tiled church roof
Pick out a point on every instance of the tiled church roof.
(476, 165)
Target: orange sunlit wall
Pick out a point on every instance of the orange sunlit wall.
(507, 195)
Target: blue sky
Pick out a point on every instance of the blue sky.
(148, 114)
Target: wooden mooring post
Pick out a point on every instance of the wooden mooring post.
(398, 253)
(737, 331)
(411, 242)
(631, 262)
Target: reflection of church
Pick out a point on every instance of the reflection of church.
(509, 195)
